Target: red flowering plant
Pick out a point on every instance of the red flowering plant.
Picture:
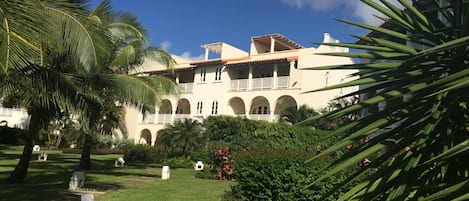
(222, 164)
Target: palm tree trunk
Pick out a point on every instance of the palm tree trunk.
(123, 129)
(21, 169)
(85, 160)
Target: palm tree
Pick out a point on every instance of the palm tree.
(112, 83)
(417, 146)
(183, 136)
(293, 115)
(62, 37)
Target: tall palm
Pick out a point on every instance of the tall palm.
(183, 136)
(112, 83)
(38, 72)
(418, 145)
(294, 115)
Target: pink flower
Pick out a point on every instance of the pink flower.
(366, 161)
(349, 146)
(407, 148)
(366, 139)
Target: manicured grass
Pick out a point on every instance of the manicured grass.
(48, 180)
(182, 186)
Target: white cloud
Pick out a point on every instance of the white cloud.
(314, 4)
(165, 45)
(188, 55)
(359, 9)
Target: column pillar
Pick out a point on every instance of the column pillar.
(250, 78)
(272, 44)
(206, 54)
(274, 77)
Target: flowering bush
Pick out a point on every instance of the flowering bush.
(222, 164)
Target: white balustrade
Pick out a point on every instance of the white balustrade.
(262, 83)
(283, 81)
(186, 87)
(239, 85)
(265, 117)
(164, 118)
(181, 116)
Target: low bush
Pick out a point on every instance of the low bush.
(243, 134)
(94, 151)
(205, 174)
(281, 174)
(13, 136)
(180, 162)
(144, 154)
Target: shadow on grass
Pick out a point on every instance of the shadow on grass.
(48, 180)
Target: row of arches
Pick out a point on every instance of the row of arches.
(261, 105)
(237, 105)
(258, 106)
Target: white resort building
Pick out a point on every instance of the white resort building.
(257, 85)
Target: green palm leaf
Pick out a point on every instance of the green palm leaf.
(422, 127)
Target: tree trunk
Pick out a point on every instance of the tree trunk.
(85, 160)
(21, 169)
(123, 129)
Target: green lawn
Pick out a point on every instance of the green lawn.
(48, 180)
(182, 186)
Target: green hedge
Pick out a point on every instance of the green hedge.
(244, 134)
(94, 151)
(279, 174)
(144, 154)
(13, 136)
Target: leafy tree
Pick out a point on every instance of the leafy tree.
(111, 84)
(294, 115)
(417, 145)
(41, 40)
(183, 136)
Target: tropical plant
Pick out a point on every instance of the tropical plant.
(40, 42)
(112, 84)
(182, 137)
(294, 115)
(417, 146)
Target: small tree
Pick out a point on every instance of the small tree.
(182, 137)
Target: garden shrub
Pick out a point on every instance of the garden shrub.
(180, 162)
(93, 151)
(205, 174)
(13, 136)
(244, 134)
(144, 154)
(279, 174)
(221, 164)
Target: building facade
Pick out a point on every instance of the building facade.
(257, 85)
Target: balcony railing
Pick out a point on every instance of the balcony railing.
(239, 85)
(186, 87)
(181, 116)
(163, 118)
(265, 117)
(283, 81)
(262, 83)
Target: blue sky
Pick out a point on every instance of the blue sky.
(181, 26)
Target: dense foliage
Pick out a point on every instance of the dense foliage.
(143, 154)
(416, 66)
(278, 174)
(244, 134)
(11, 136)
